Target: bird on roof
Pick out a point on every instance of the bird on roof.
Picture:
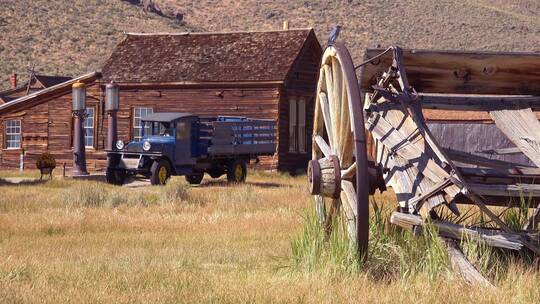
(333, 36)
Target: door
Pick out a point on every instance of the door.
(183, 155)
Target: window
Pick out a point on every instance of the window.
(139, 113)
(182, 130)
(13, 134)
(292, 125)
(88, 126)
(297, 125)
(302, 125)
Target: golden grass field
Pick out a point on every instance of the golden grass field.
(88, 242)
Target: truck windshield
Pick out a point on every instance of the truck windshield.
(157, 128)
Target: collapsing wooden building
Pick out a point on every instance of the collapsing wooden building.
(266, 74)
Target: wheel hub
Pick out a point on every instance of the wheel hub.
(324, 177)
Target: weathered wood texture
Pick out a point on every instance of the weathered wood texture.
(521, 126)
(493, 238)
(462, 72)
(461, 265)
(48, 127)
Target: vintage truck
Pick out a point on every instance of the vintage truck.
(189, 145)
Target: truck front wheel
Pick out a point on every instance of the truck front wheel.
(194, 179)
(115, 177)
(161, 171)
(237, 171)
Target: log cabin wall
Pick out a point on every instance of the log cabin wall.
(47, 126)
(252, 102)
(301, 83)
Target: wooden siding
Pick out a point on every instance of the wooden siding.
(48, 127)
(301, 83)
(249, 102)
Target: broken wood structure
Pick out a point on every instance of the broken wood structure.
(376, 131)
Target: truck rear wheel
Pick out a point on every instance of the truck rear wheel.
(237, 171)
(115, 177)
(194, 179)
(161, 172)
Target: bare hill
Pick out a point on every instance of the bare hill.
(70, 39)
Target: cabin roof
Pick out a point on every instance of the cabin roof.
(42, 95)
(205, 57)
(166, 116)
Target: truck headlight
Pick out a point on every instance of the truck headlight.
(146, 146)
(119, 145)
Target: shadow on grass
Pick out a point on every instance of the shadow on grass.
(225, 183)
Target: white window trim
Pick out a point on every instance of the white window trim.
(293, 138)
(301, 136)
(6, 134)
(93, 127)
(135, 117)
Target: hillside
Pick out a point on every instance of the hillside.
(71, 39)
(66, 37)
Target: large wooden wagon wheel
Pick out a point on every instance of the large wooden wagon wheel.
(338, 172)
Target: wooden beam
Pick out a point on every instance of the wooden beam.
(492, 238)
(477, 102)
(461, 264)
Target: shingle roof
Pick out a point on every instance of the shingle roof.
(205, 57)
(49, 81)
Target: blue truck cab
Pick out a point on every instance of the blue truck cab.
(189, 145)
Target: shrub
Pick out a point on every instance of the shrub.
(45, 160)
(175, 190)
(85, 194)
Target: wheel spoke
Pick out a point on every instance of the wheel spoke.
(322, 145)
(320, 208)
(349, 172)
(334, 209)
(324, 103)
(335, 107)
(350, 218)
(350, 193)
(330, 102)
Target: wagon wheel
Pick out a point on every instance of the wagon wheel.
(337, 173)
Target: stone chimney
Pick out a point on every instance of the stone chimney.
(285, 25)
(13, 80)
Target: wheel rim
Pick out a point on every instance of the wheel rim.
(339, 132)
(162, 174)
(238, 172)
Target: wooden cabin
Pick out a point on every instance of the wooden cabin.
(270, 75)
(42, 122)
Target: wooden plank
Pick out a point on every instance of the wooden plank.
(515, 190)
(477, 102)
(461, 72)
(490, 237)
(323, 146)
(461, 264)
(520, 126)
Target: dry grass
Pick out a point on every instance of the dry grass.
(87, 242)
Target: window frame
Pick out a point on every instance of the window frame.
(301, 136)
(293, 138)
(139, 127)
(93, 127)
(6, 134)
